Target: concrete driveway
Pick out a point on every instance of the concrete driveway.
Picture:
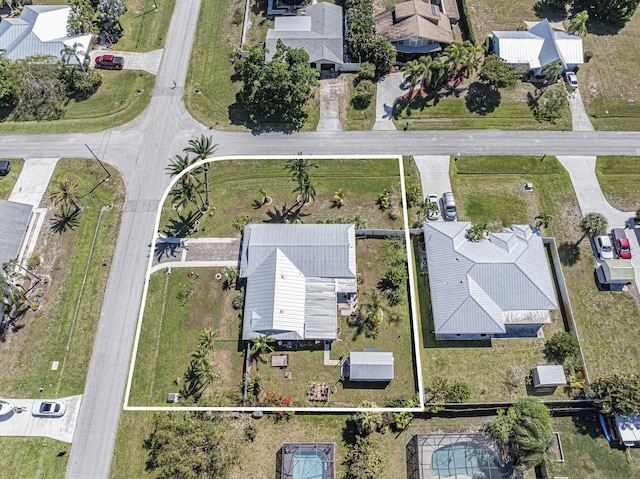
(579, 118)
(33, 180)
(147, 61)
(26, 424)
(330, 92)
(388, 92)
(434, 174)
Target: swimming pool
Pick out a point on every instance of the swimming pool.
(470, 459)
(309, 465)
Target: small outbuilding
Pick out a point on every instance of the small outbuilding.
(369, 366)
(615, 272)
(16, 218)
(547, 378)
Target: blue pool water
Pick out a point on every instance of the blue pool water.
(309, 465)
(465, 458)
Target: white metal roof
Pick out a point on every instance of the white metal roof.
(15, 221)
(473, 283)
(40, 30)
(629, 430)
(370, 366)
(549, 376)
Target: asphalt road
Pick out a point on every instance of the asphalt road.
(140, 151)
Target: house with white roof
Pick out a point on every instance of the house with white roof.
(495, 287)
(294, 274)
(318, 32)
(41, 30)
(536, 48)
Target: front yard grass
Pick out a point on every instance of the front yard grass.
(145, 28)
(235, 186)
(619, 177)
(32, 457)
(8, 181)
(353, 118)
(41, 336)
(122, 96)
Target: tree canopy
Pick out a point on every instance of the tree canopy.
(364, 460)
(277, 90)
(497, 72)
(362, 41)
(616, 395)
(611, 11)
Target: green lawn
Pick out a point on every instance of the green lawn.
(41, 336)
(122, 96)
(145, 28)
(355, 118)
(32, 457)
(234, 189)
(619, 177)
(450, 112)
(7, 182)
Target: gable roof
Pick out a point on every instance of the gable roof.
(40, 30)
(294, 273)
(475, 284)
(370, 366)
(538, 46)
(414, 18)
(319, 33)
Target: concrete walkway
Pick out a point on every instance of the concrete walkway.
(147, 61)
(26, 424)
(388, 92)
(33, 181)
(195, 252)
(579, 118)
(330, 92)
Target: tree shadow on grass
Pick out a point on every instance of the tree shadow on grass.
(284, 214)
(238, 114)
(482, 98)
(181, 227)
(64, 221)
(588, 424)
(543, 9)
(569, 253)
(417, 102)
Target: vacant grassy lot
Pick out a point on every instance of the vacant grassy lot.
(354, 118)
(235, 187)
(619, 177)
(145, 27)
(32, 457)
(607, 82)
(41, 336)
(122, 96)
(451, 112)
(7, 182)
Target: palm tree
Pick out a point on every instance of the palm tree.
(578, 24)
(74, 51)
(455, 54)
(338, 198)
(552, 71)
(307, 190)
(431, 71)
(260, 346)
(299, 168)
(208, 338)
(203, 148)
(359, 222)
(65, 195)
(593, 224)
(423, 207)
(189, 187)
(14, 295)
(478, 231)
(412, 72)
(543, 220)
(475, 50)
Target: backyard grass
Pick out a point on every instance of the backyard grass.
(41, 336)
(353, 118)
(122, 96)
(619, 177)
(235, 186)
(8, 181)
(450, 112)
(145, 28)
(32, 457)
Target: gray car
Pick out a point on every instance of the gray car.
(449, 203)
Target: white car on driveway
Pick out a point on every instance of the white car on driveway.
(48, 409)
(604, 246)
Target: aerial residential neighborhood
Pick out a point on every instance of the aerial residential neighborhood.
(320, 240)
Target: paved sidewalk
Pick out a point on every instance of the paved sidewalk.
(147, 61)
(388, 92)
(33, 180)
(26, 424)
(579, 118)
(330, 92)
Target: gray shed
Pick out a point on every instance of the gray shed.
(547, 378)
(15, 218)
(369, 366)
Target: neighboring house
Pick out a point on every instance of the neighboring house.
(41, 30)
(16, 218)
(495, 287)
(294, 274)
(532, 50)
(417, 27)
(318, 32)
(368, 366)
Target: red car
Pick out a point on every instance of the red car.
(109, 62)
(621, 243)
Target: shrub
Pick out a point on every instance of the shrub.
(368, 422)
(237, 17)
(560, 347)
(364, 460)
(238, 301)
(588, 55)
(34, 260)
(250, 433)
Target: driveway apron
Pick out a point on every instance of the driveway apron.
(434, 174)
(579, 118)
(331, 89)
(33, 180)
(147, 61)
(388, 92)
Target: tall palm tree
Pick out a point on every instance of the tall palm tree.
(189, 186)
(203, 148)
(475, 50)
(543, 220)
(299, 168)
(594, 224)
(412, 73)
(66, 195)
(69, 52)
(307, 190)
(454, 55)
(14, 296)
(261, 345)
(478, 231)
(431, 69)
(552, 71)
(208, 338)
(578, 24)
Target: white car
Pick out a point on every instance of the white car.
(48, 408)
(433, 214)
(604, 246)
(572, 79)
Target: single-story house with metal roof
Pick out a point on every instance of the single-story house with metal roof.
(16, 218)
(548, 377)
(318, 32)
(495, 287)
(369, 366)
(536, 48)
(42, 30)
(294, 274)
(417, 27)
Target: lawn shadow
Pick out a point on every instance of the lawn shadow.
(65, 221)
(569, 253)
(182, 226)
(349, 432)
(365, 385)
(284, 214)
(417, 102)
(543, 9)
(239, 116)
(588, 424)
(482, 98)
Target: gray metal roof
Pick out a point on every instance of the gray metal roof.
(549, 376)
(40, 30)
(473, 283)
(15, 220)
(370, 366)
(293, 276)
(319, 33)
